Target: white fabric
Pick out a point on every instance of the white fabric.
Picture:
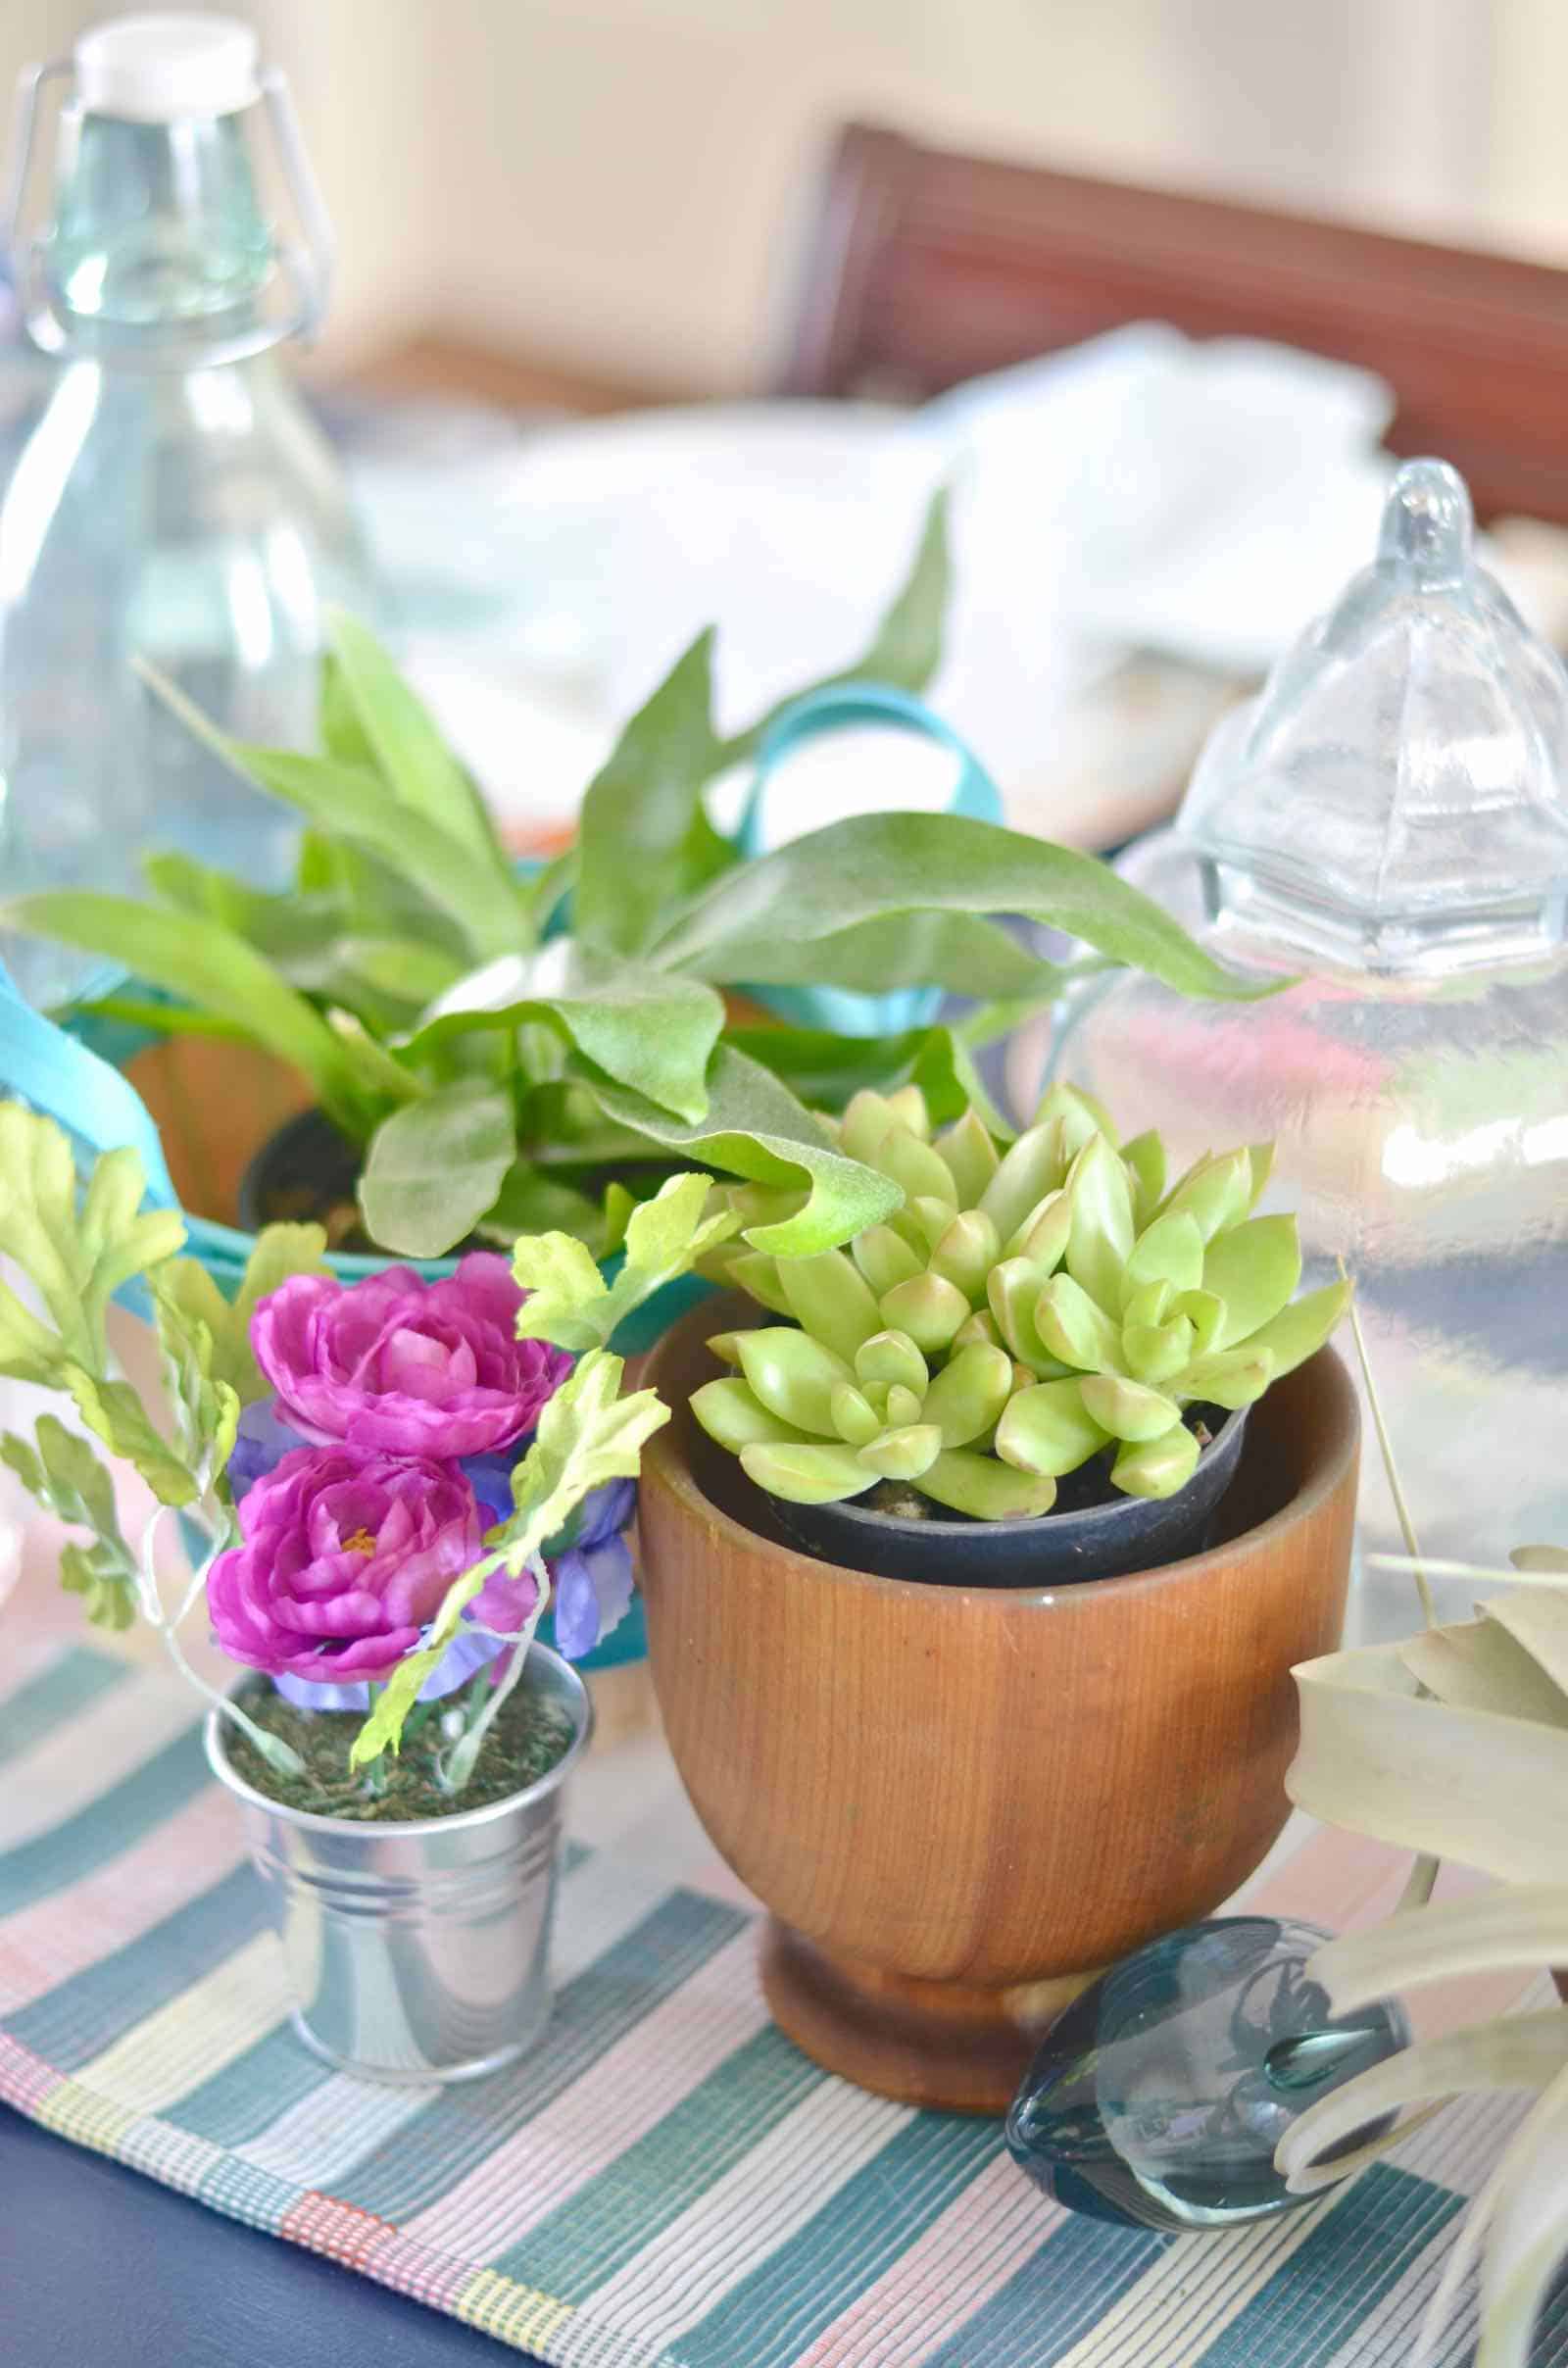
(1141, 492)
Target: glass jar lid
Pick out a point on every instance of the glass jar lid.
(1394, 798)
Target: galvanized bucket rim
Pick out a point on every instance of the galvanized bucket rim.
(309, 1821)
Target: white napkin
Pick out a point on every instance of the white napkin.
(1206, 499)
(1138, 492)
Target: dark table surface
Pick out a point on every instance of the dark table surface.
(102, 2268)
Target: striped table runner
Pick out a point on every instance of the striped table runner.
(665, 2183)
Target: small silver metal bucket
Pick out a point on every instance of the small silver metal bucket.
(418, 1951)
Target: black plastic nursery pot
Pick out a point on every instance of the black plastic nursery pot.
(305, 1167)
(1061, 1548)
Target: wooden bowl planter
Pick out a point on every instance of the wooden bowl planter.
(961, 1804)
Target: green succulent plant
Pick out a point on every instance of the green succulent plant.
(1028, 1307)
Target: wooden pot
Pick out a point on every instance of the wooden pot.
(960, 1804)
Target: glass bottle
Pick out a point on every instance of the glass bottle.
(175, 505)
(1387, 824)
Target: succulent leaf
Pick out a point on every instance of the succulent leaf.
(1157, 1353)
(867, 1118)
(902, 1407)
(903, 1454)
(726, 1346)
(794, 1376)
(1034, 1165)
(884, 1258)
(829, 1299)
(890, 1358)
(1229, 1377)
(1049, 1429)
(967, 1252)
(854, 1419)
(1145, 1156)
(968, 1395)
(1260, 1159)
(908, 1108)
(1128, 1410)
(1150, 1304)
(929, 1309)
(1300, 1330)
(1215, 1191)
(1101, 1238)
(806, 1475)
(1013, 1290)
(1043, 1235)
(1255, 1268)
(731, 1413)
(932, 1217)
(1206, 1315)
(971, 1155)
(1081, 1116)
(986, 1489)
(1158, 1468)
(981, 1328)
(1170, 1251)
(1075, 1327)
(757, 1275)
(923, 1173)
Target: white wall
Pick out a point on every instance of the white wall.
(612, 182)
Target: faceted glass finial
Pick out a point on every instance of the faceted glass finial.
(1426, 526)
(1396, 797)
(1158, 2100)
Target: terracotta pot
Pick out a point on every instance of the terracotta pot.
(961, 1805)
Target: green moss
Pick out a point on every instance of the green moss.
(527, 1739)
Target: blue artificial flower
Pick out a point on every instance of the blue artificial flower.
(592, 1577)
(262, 1441)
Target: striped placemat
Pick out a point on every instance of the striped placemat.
(665, 2183)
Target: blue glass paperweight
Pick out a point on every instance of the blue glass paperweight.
(1156, 2100)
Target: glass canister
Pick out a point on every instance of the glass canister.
(175, 503)
(1387, 825)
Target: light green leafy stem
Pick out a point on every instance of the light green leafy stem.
(569, 1302)
(77, 1249)
(588, 1434)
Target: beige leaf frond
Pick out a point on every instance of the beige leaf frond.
(1469, 1785)
(1514, 2052)
(1538, 2144)
(1540, 1623)
(1522, 1925)
(1481, 1665)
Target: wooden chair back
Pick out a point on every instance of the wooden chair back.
(923, 268)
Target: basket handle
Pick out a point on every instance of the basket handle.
(40, 1064)
(840, 707)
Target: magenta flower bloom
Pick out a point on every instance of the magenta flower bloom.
(411, 1367)
(344, 1558)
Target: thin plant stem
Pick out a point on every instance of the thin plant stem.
(278, 1755)
(1488, 1572)
(1425, 1871)
(1429, 1609)
(375, 1769)
(456, 1767)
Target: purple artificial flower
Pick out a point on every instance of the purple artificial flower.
(344, 1558)
(503, 1605)
(592, 1578)
(409, 1367)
